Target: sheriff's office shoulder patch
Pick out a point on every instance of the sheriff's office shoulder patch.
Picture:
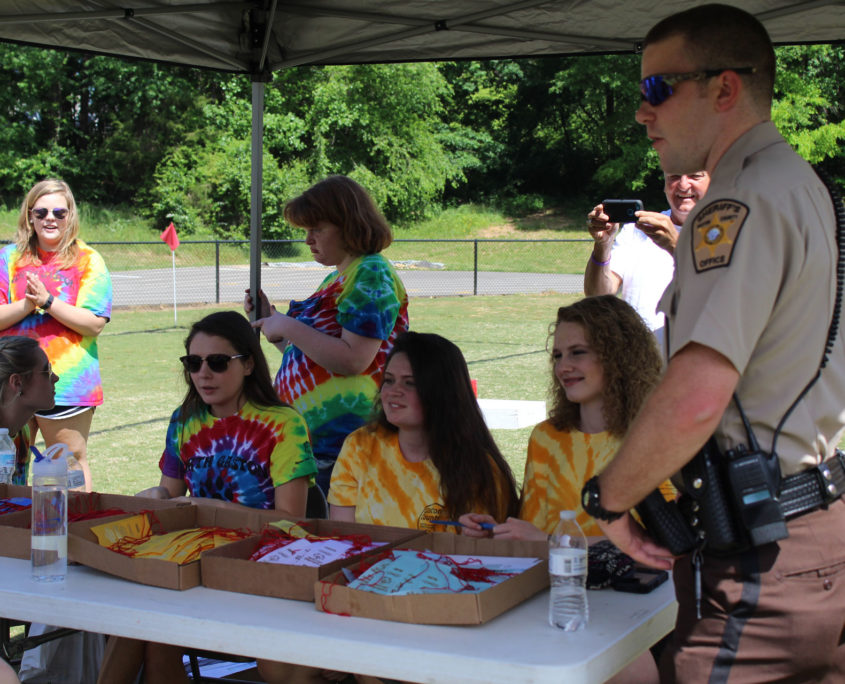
(715, 232)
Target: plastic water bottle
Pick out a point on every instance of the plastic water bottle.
(49, 516)
(568, 608)
(7, 457)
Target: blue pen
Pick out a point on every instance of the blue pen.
(483, 526)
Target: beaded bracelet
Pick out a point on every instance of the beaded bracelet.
(597, 262)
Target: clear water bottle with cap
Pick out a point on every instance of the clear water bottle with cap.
(49, 515)
(568, 608)
(7, 457)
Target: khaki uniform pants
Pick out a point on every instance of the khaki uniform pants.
(774, 614)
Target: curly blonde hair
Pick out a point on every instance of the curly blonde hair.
(26, 238)
(628, 353)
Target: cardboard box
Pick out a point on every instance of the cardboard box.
(230, 569)
(15, 528)
(331, 594)
(84, 548)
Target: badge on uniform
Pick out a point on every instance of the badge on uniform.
(714, 233)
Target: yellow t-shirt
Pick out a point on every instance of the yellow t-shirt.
(372, 475)
(558, 465)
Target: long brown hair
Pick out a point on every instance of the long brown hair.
(473, 473)
(26, 238)
(627, 351)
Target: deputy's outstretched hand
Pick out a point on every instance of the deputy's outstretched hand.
(630, 537)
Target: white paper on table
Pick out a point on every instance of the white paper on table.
(312, 554)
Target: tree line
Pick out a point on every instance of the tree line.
(174, 143)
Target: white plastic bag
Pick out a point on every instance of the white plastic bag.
(73, 659)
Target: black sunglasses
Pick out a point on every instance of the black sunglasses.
(657, 88)
(217, 363)
(41, 213)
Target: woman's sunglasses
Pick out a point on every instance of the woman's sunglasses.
(217, 363)
(656, 89)
(41, 213)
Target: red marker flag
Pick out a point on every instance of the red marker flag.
(169, 236)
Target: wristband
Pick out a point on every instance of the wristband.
(597, 262)
(48, 303)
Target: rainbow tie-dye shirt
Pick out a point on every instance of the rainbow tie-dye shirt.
(85, 284)
(240, 458)
(367, 299)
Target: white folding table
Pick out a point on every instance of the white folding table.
(518, 646)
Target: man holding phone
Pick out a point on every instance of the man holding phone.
(639, 257)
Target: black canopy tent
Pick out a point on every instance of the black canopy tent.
(257, 37)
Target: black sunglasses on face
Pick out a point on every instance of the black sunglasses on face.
(41, 213)
(657, 88)
(217, 363)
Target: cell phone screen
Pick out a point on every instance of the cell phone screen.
(622, 210)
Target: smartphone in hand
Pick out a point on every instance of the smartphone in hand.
(622, 210)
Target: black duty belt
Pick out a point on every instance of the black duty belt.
(813, 488)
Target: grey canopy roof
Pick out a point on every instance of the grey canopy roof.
(254, 37)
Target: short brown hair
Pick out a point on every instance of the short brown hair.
(718, 36)
(627, 351)
(344, 203)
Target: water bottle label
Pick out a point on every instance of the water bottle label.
(75, 479)
(51, 542)
(568, 562)
(7, 468)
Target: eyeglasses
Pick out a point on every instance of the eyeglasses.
(217, 363)
(41, 213)
(46, 371)
(657, 88)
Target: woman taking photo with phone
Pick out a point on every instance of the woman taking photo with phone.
(56, 289)
(334, 343)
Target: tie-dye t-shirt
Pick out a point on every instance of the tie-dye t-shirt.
(240, 458)
(367, 299)
(372, 475)
(85, 284)
(559, 463)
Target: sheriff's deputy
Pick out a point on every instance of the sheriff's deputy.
(748, 312)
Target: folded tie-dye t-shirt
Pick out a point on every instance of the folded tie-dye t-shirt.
(85, 284)
(367, 299)
(241, 458)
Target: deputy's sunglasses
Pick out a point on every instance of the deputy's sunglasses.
(41, 213)
(657, 88)
(218, 363)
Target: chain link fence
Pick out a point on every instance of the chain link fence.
(147, 274)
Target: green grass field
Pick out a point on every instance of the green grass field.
(502, 337)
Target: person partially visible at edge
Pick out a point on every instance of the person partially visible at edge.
(334, 344)
(604, 362)
(27, 385)
(748, 312)
(638, 258)
(57, 290)
(231, 443)
(427, 455)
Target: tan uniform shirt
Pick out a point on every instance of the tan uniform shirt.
(755, 281)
